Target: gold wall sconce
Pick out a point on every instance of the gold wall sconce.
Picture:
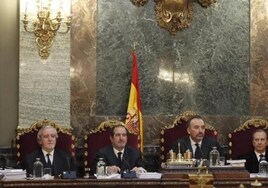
(44, 18)
(174, 15)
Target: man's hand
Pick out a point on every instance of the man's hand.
(139, 170)
(113, 169)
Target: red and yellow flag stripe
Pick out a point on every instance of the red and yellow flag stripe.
(134, 113)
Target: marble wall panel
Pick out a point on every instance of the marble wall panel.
(83, 57)
(203, 68)
(83, 67)
(259, 58)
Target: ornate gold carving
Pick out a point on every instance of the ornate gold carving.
(258, 123)
(256, 183)
(107, 124)
(183, 118)
(207, 3)
(174, 15)
(45, 27)
(36, 126)
(139, 3)
(201, 180)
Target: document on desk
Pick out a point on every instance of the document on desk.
(257, 175)
(111, 176)
(13, 173)
(149, 175)
(237, 163)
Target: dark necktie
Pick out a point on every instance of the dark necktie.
(261, 157)
(48, 160)
(119, 154)
(198, 153)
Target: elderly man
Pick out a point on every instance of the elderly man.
(259, 142)
(119, 156)
(196, 142)
(51, 157)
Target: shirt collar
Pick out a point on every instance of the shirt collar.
(116, 151)
(258, 154)
(45, 152)
(193, 142)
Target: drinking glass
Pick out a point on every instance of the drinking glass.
(47, 171)
(222, 161)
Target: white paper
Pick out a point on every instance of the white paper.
(150, 175)
(111, 176)
(14, 173)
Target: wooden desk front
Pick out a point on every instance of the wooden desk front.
(125, 183)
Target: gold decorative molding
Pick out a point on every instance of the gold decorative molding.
(206, 3)
(36, 126)
(174, 15)
(257, 123)
(139, 3)
(201, 180)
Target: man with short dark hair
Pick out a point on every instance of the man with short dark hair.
(196, 142)
(119, 156)
(51, 157)
(259, 142)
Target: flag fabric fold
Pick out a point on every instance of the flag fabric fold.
(134, 112)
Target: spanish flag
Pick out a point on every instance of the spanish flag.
(134, 114)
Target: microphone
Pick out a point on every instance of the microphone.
(69, 174)
(68, 163)
(127, 173)
(202, 154)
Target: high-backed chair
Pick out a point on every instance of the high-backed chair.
(26, 139)
(100, 137)
(240, 140)
(169, 134)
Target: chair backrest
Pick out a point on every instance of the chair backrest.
(100, 137)
(240, 140)
(26, 139)
(169, 134)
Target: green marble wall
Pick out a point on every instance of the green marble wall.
(203, 68)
